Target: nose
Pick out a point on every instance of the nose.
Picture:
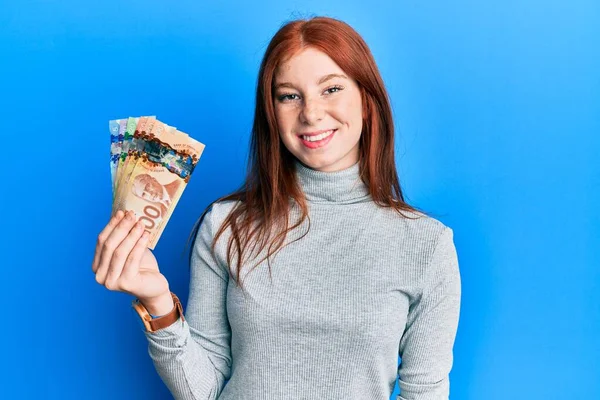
(312, 111)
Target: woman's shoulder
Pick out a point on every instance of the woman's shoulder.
(427, 242)
(415, 222)
(222, 208)
(417, 229)
(217, 212)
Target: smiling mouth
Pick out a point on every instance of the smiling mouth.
(320, 141)
(316, 138)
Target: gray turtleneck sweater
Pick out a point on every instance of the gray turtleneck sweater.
(364, 286)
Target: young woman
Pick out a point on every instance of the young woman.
(311, 280)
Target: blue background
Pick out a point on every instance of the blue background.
(497, 108)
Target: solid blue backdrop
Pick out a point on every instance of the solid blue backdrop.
(497, 110)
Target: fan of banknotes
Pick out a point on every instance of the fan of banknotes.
(150, 166)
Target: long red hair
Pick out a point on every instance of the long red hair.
(263, 200)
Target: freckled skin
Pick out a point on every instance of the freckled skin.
(309, 106)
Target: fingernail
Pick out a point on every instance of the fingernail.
(129, 215)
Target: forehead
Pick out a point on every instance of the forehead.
(308, 66)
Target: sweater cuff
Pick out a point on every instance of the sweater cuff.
(176, 330)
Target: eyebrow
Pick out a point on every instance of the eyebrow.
(320, 81)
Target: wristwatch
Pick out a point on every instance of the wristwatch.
(154, 324)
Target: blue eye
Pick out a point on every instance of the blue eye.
(285, 97)
(337, 88)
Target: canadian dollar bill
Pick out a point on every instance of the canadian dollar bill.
(155, 171)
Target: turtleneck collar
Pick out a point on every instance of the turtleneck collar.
(344, 186)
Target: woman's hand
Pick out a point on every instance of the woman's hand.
(124, 263)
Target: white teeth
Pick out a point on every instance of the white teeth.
(318, 137)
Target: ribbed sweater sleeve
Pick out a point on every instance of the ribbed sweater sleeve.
(193, 357)
(432, 321)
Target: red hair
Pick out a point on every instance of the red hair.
(263, 200)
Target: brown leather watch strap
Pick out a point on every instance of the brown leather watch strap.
(154, 324)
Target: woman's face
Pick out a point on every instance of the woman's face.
(312, 97)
